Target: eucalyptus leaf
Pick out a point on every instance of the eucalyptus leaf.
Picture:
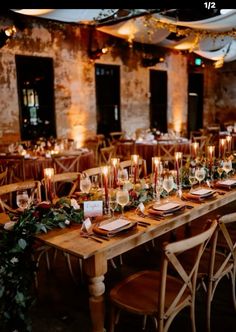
(22, 243)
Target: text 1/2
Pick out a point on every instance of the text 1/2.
(209, 5)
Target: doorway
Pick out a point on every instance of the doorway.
(35, 82)
(195, 101)
(107, 79)
(158, 100)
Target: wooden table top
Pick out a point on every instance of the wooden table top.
(69, 239)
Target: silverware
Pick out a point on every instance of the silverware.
(143, 223)
(148, 215)
(92, 237)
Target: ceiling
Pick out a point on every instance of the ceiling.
(208, 33)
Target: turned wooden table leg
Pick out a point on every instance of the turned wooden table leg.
(95, 267)
(96, 303)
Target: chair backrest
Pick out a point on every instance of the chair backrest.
(65, 183)
(167, 151)
(142, 166)
(203, 141)
(8, 193)
(65, 164)
(3, 177)
(106, 154)
(187, 277)
(116, 135)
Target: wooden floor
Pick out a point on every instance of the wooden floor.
(63, 306)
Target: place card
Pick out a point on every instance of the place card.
(114, 225)
(93, 208)
(86, 225)
(141, 207)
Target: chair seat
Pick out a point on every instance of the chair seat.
(139, 292)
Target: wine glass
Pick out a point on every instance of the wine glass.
(85, 183)
(227, 167)
(95, 182)
(168, 183)
(113, 204)
(220, 169)
(200, 174)
(191, 177)
(122, 198)
(158, 187)
(122, 175)
(22, 199)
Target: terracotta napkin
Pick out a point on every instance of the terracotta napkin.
(227, 184)
(166, 212)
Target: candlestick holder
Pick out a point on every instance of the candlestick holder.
(178, 167)
(115, 163)
(106, 184)
(50, 193)
(135, 167)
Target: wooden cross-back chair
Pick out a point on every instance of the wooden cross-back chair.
(3, 177)
(8, 193)
(142, 166)
(159, 294)
(116, 135)
(167, 151)
(65, 183)
(68, 164)
(106, 154)
(203, 141)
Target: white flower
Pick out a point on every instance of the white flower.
(14, 260)
(74, 204)
(9, 225)
(67, 222)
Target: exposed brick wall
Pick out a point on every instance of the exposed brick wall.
(75, 102)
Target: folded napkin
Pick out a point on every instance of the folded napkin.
(226, 184)
(114, 227)
(165, 211)
(193, 197)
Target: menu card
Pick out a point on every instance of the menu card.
(227, 182)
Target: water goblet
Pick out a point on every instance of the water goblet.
(113, 204)
(200, 174)
(191, 177)
(85, 183)
(158, 189)
(122, 175)
(227, 167)
(122, 198)
(22, 199)
(168, 184)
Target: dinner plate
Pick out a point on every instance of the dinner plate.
(202, 192)
(111, 228)
(166, 209)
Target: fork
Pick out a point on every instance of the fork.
(146, 215)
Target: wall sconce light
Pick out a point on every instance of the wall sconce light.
(6, 34)
(96, 54)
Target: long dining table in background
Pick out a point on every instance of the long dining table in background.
(146, 150)
(21, 168)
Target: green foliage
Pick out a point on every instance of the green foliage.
(16, 265)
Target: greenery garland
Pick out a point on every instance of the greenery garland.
(16, 265)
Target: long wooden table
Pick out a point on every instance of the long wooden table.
(95, 255)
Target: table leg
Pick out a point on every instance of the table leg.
(95, 267)
(96, 303)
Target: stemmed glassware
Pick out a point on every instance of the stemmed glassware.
(85, 183)
(158, 187)
(200, 174)
(168, 184)
(22, 199)
(191, 177)
(122, 198)
(122, 175)
(227, 166)
(113, 204)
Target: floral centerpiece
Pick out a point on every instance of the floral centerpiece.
(16, 265)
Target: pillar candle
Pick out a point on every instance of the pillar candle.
(134, 162)
(178, 160)
(49, 185)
